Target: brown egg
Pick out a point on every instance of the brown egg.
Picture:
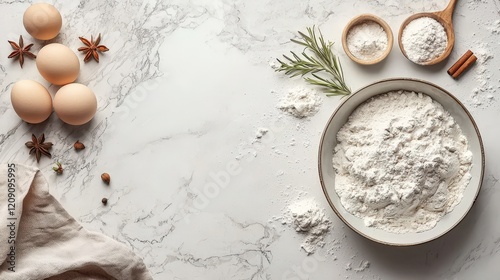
(31, 101)
(42, 21)
(58, 64)
(75, 104)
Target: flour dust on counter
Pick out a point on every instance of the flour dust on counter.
(495, 27)
(306, 217)
(261, 131)
(363, 265)
(483, 95)
(474, 4)
(273, 63)
(300, 102)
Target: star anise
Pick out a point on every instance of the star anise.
(39, 146)
(21, 51)
(92, 48)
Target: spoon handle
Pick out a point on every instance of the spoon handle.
(447, 13)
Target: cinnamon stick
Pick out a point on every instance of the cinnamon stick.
(455, 67)
(464, 66)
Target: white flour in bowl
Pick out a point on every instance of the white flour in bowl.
(401, 162)
(424, 39)
(367, 41)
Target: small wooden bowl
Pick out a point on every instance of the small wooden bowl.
(359, 20)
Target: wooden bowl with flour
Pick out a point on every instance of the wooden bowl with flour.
(367, 39)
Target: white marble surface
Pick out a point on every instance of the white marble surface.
(182, 92)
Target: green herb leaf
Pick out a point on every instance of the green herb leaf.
(321, 61)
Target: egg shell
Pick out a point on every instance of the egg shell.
(75, 104)
(42, 21)
(58, 64)
(31, 101)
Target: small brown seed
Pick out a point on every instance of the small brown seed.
(78, 145)
(106, 178)
(104, 201)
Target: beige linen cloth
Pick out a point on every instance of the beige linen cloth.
(49, 243)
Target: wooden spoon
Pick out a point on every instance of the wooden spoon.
(445, 17)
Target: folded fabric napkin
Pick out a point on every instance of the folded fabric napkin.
(40, 240)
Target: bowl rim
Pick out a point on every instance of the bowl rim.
(320, 167)
(359, 19)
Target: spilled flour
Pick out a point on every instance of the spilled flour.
(474, 4)
(300, 102)
(363, 265)
(402, 162)
(261, 131)
(308, 219)
(483, 95)
(495, 27)
(303, 215)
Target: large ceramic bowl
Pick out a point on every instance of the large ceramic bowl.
(461, 116)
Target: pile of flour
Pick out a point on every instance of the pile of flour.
(300, 102)
(483, 94)
(367, 40)
(424, 39)
(307, 218)
(402, 162)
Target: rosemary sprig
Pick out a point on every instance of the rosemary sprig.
(322, 60)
